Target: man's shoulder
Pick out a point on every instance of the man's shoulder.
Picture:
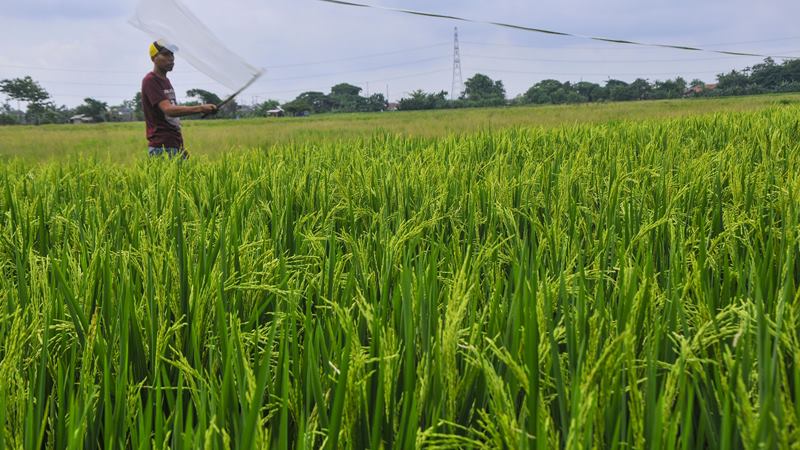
(149, 80)
(152, 78)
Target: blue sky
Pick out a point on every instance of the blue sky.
(85, 48)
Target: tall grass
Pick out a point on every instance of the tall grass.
(125, 142)
(623, 285)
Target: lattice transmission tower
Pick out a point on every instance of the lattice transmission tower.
(458, 80)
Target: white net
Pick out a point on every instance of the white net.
(173, 21)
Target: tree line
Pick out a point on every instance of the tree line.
(40, 109)
(479, 91)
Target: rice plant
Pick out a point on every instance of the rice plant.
(612, 286)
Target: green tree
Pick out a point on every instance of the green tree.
(767, 74)
(138, 112)
(297, 106)
(95, 109)
(204, 96)
(29, 91)
(7, 116)
(46, 112)
(318, 102)
(227, 111)
(419, 100)
(480, 90)
(346, 98)
(668, 89)
(734, 82)
(24, 89)
(791, 71)
(416, 101)
(639, 89)
(261, 109)
(592, 92)
(345, 90)
(554, 91)
(374, 103)
(618, 91)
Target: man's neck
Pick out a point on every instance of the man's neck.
(159, 72)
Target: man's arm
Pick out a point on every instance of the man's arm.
(180, 111)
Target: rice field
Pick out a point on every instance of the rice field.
(607, 285)
(122, 143)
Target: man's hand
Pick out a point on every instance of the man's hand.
(208, 108)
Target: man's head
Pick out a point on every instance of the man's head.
(163, 55)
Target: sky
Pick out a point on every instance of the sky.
(86, 48)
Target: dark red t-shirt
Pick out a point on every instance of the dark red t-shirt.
(162, 131)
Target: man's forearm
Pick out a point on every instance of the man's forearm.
(180, 111)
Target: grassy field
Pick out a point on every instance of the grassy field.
(125, 142)
(376, 282)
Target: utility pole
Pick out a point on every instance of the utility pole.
(458, 80)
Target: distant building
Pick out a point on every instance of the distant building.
(80, 118)
(392, 106)
(699, 89)
(277, 112)
(122, 114)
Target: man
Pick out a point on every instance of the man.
(161, 110)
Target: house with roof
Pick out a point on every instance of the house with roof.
(699, 89)
(80, 118)
(277, 112)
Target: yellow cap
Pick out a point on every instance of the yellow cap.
(159, 45)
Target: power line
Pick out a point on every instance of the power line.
(793, 38)
(411, 75)
(575, 74)
(85, 83)
(284, 66)
(370, 69)
(373, 55)
(64, 69)
(418, 74)
(595, 49)
(352, 58)
(114, 97)
(304, 77)
(596, 61)
(550, 32)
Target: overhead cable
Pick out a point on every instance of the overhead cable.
(550, 32)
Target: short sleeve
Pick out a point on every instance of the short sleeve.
(152, 92)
